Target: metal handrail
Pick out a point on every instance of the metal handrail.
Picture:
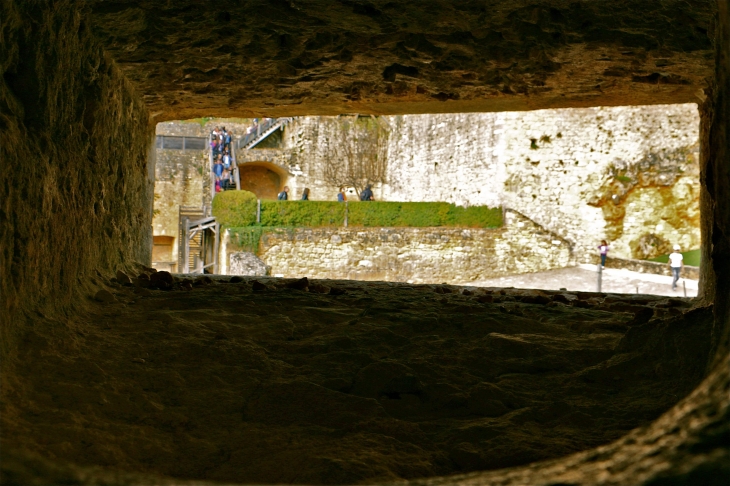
(251, 139)
(211, 175)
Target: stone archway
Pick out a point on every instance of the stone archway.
(262, 179)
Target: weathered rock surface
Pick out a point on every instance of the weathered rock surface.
(75, 191)
(380, 383)
(628, 174)
(414, 255)
(307, 57)
(246, 263)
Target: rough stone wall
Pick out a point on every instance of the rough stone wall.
(75, 189)
(202, 127)
(627, 174)
(687, 445)
(317, 57)
(414, 255)
(717, 182)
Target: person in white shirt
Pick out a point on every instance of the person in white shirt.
(603, 249)
(676, 262)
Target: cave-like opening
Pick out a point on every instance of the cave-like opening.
(121, 381)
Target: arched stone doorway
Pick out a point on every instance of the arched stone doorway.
(261, 178)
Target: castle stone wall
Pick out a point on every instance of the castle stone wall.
(626, 174)
(414, 255)
(180, 178)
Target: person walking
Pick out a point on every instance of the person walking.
(218, 168)
(603, 249)
(284, 195)
(305, 194)
(341, 195)
(676, 262)
(226, 179)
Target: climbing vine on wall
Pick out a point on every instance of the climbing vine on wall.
(357, 156)
(247, 237)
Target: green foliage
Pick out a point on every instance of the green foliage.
(302, 213)
(247, 237)
(691, 258)
(235, 208)
(201, 121)
(422, 214)
(533, 144)
(477, 217)
(624, 179)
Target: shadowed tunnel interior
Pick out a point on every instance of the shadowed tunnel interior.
(293, 381)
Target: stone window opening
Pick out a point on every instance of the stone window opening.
(238, 379)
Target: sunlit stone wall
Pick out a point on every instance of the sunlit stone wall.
(626, 174)
(182, 177)
(414, 255)
(180, 180)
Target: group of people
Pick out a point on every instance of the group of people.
(365, 195)
(220, 146)
(676, 260)
(284, 195)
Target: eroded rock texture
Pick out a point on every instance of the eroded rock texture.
(337, 382)
(73, 150)
(304, 57)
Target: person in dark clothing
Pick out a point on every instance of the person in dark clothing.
(227, 180)
(284, 195)
(367, 194)
(305, 194)
(341, 196)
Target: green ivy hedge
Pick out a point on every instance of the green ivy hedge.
(422, 214)
(311, 214)
(238, 209)
(235, 208)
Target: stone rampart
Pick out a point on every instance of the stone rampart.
(415, 255)
(202, 127)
